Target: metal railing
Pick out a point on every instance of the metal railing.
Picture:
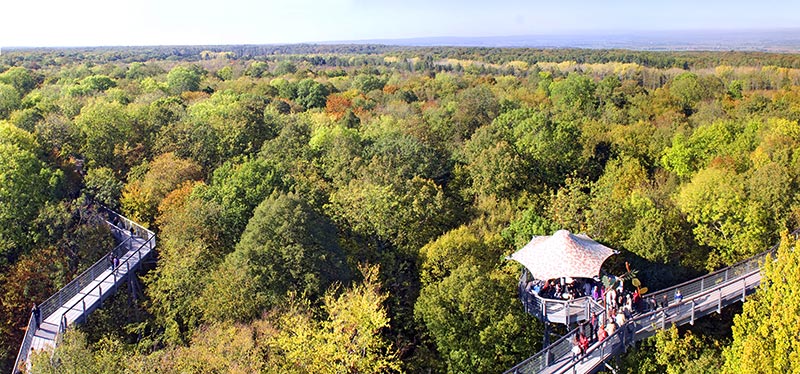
(125, 261)
(559, 349)
(645, 325)
(22, 356)
(651, 304)
(123, 229)
(553, 310)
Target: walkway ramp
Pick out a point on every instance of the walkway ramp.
(80, 297)
(701, 296)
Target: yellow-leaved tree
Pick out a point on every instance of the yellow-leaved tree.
(766, 336)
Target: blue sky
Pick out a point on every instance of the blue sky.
(165, 22)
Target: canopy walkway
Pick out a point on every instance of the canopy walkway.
(73, 303)
(701, 296)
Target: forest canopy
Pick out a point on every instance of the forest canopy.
(348, 208)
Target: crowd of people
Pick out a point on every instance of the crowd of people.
(573, 288)
(620, 305)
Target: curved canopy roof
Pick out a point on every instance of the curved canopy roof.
(563, 254)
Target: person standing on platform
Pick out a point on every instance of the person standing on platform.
(37, 316)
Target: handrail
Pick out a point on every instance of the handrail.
(541, 359)
(120, 227)
(26, 342)
(663, 311)
(126, 260)
(690, 290)
(49, 306)
(55, 301)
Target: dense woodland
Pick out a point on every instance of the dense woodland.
(340, 209)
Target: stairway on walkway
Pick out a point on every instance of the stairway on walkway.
(74, 302)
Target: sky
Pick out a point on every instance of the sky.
(43, 23)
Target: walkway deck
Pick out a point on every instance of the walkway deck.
(73, 303)
(702, 296)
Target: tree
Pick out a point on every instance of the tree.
(103, 127)
(367, 82)
(349, 340)
(716, 202)
(407, 215)
(493, 163)
(765, 333)
(475, 107)
(239, 187)
(672, 352)
(141, 197)
(26, 185)
(103, 186)
(574, 96)
(9, 100)
(287, 246)
(311, 94)
(475, 321)
(181, 79)
(191, 245)
(20, 78)
(687, 89)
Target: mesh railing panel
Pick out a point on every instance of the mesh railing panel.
(707, 283)
(24, 349)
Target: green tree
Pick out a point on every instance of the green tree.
(474, 319)
(574, 96)
(103, 186)
(716, 202)
(765, 333)
(181, 79)
(191, 246)
(287, 246)
(9, 100)
(686, 88)
(27, 184)
(20, 78)
(350, 339)
(103, 126)
(311, 94)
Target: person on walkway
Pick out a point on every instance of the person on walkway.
(576, 347)
(678, 296)
(583, 340)
(620, 318)
(601, 335)
(111, 260)
(593, 325)
(611, 327)
(37, 316)
(611, 298)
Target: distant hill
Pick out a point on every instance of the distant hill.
(775, 40)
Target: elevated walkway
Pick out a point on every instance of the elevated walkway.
(74, 302)
(701, 296)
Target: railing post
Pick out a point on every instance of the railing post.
(567, 312)
(691, 322)
(547, 356)
(588, 310)
(544, 310)
(726, 274)
(702, 284)
(744, 287)
(719, 301)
